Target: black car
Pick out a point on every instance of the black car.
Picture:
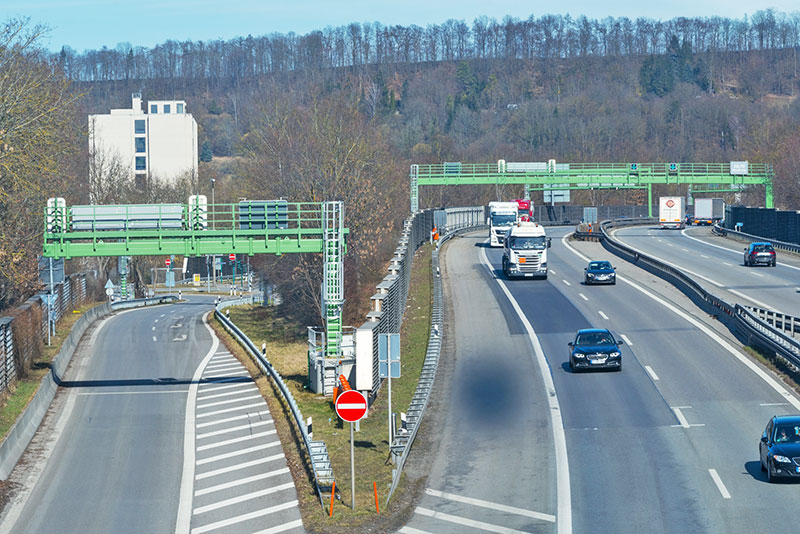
(599, 272)
(779, 448)
(595, 348)
(760, 253)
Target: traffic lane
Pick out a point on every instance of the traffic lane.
(735, 246)
(723, 404)
(719, 271)
(118, 461)
(496, 446)
(610, 419)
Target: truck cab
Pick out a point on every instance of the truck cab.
(525, 251)
(502, 215)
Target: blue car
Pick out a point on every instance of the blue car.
(595, 348)
(599, 272)
(779, 448)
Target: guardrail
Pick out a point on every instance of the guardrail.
(780, 245)
(316, 450)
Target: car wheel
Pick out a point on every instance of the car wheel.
(505, 268)
(619, 369)
(770, 478)
(614, 283)
(774, 263)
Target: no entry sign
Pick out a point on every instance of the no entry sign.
(231, 256)
(167, 262)
(351, 406)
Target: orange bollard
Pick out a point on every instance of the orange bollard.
(333, 492)
(377, 508)
(335, 393)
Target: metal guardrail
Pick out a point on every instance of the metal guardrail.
(780, 245)
(317, 450)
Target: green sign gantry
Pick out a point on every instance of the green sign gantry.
(560, 176)
(249, 227)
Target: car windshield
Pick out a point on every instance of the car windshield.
(762, 248)
(787, 434)
(503, 220)
(595, 338)
(599, 265)
(527, 243)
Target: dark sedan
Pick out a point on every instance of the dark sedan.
(760, 253)
(599, 272)
(780, 447)
(595, 348)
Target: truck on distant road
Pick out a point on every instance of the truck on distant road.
(502, 215)
(708, 211)
(671, 212)
(525, 251)
(524, 209)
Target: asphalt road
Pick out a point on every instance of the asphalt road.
(717, 264)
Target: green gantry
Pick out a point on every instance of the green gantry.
(249, 227)
(559, 176)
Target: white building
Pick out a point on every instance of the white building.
(161, 143)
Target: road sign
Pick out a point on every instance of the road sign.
(388, 355)
(231, 256)
(109, 284)
(167, 262)
(351, 406)
(109, 291)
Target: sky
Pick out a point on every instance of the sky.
(92, 24)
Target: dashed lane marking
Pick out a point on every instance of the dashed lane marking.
(583, 296)
(566, 282)
(720, 486)
(651, 372)
(626, 340)
(603, 315)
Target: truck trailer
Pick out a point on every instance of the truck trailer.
(502, 215)
(671, 212)
(708, 211)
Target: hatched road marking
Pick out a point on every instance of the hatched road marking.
(494, 506)
(486, 527)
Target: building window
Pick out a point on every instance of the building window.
(153, 108)
(138, 126)
(166, 108)
(178, 108)
(140, 145)
(141, 163)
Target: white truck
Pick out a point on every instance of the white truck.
(708, 211)
(501, 216)
(525, 250)
(671, 212)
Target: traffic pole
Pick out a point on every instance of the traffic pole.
(352, 471)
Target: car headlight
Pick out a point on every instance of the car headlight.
(614, 354)
(781, 459)
(590, 275)
(578, 354)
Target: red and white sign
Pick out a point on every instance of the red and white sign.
(670, 203)
(167, 262)
(351, 406)
(231, 256)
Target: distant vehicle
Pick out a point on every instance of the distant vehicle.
(595, 348)
(708, 211)
(779, 448)
(502, 215)
(525, 251)
(524, 210)
(599, 272)
(760, 253)
(671, 212)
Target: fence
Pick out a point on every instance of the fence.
(766, 223)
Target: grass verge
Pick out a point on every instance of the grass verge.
(372, 461)
(788, 373)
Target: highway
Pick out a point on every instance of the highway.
(667, 445)
(717, 264)
(119, 451)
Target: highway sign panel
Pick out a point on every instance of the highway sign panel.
(351, 406)
(388, 355)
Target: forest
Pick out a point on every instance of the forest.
(342, 112)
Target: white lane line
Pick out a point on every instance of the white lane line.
(491, 505)
(756, 274)
(603, 315)
(209, 387)
(234, 429)
(566, 282)
(411, 530)
(777, 387)
(243, 465)
(651, 372)
(224, 374)
(228, 394)
(685, 249)
(162, 315)
(240, 452)
(563, 491)
(184, 516)
(244, 517)
(681, 419)
(220, 366)
(234, 409)
(774, 404)
(154, 392)
(701, 255)
(670, 245)
(486, 527)
(730, 250)
(751, 299)
(242, 498)
(248, 416)
(297, 523)
(626, 340)
(153, 329)
(229, 401)
(728, 264)
(154, 339)
(240, 440)
(582, 296)
(241, 481)
(720, 486)
(552, 271)
(179, 325)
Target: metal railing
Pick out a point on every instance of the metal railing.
(780, 245)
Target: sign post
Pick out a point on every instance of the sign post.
(351, 406)
(389, 367)
(232, 258)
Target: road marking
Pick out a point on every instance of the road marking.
(411, 530)
(215, 388)
(552, 271)
(583, 296)
(685, 249)
(244, 517)
(154, 392)
(670, 245)
(241, 481)
(240, 440)
(233, 429)
(242, 498)
(251, 388)
(566, 282)
(282, 528)
(179, 325)
(756, 274)
(626, 340)
(563, 491)
(751, 299)
(234, 418)
(681, 419)
(652, 373)
(774, 404)
(243, 465)
(155, 339)
(235, 408)
(227, 374)
(486, 527)
(229, 401)
(728, 264)
(783, 392)
(603, 315)
(491, 505)
(731, 250)
(153, 329)
(233, 454)
(162, 315)
(701, 255)
(180, 338)
(223, 365)
(720, 486)
(155, 321)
